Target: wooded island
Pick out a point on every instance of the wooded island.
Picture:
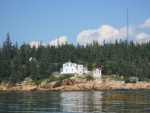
(122, 58)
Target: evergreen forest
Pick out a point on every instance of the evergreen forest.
(123, 58)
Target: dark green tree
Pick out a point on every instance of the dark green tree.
(34, 70)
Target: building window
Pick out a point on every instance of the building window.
(66, 69)
(72, 69)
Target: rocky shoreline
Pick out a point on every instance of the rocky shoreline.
(76, 84)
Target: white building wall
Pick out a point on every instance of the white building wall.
(69, 68)
(72, 68)
(80, 69)
(97, 73)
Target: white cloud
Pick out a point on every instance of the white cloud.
(106, 32)
(123, 32)
(87, 36)
(36, 44)
(146, 24)
(142, 35)
(61, 40)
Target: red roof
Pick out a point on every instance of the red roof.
(99, 68)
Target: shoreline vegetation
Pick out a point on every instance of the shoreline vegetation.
(77, 83)
(126, 65)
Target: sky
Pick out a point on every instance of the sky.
(73, 21)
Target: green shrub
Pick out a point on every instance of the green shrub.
(51, 79)
(141, 79)
(127, 80)
(6, 80)
(1, 79)
(38, 82)
(133, 81)
(89, 77)
(144, 79)
(147, 80)
(62, 77)
(66, 76)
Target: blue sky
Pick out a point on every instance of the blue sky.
(74, 21)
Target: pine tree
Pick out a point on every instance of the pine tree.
(24, 53)
(44, 66)
(34, 70)
(1, 74)
(8, 47)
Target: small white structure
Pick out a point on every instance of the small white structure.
(85, 69)
(97, 72)
(31, 58)
(72, 68)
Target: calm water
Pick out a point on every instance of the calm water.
(76, 101)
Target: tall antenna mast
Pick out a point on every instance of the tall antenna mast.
(58, 41)
(127, 24)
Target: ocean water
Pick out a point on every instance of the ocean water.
(130, 101)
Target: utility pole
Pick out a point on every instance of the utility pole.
(127, 45)
(58, 41)
(127, 25)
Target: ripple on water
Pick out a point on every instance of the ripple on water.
(73, 101)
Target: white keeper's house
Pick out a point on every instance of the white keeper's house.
(72, 68)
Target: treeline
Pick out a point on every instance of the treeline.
(122, 57)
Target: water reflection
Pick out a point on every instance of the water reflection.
(27, 102)
(73, 101)
(81, 101)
